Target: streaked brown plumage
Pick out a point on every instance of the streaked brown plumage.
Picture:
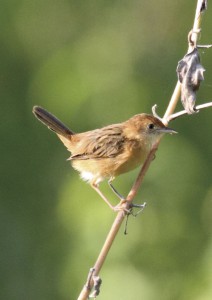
(110, 151)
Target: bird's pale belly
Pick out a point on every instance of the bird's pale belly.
(100, 169)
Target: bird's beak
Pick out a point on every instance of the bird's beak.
(166, 130)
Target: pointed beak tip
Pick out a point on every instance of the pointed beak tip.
(171, 131)
(168, 130)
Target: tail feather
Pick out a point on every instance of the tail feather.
(51, 121)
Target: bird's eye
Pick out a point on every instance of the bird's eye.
(151, 126)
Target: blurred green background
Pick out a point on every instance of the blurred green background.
(93, 63)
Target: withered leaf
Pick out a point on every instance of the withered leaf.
(190, 74)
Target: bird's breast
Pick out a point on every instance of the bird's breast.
(132, 155)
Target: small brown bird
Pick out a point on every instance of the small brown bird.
(110, 151)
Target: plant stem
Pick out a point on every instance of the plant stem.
(121, 215)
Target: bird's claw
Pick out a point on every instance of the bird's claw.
(141, 206)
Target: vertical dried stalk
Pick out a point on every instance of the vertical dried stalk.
(194, 36)
(120, 216)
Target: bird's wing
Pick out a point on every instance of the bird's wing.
(99, 143)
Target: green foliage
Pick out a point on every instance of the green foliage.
(93, 63)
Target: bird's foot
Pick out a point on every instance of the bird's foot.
(129, 209)
(122, 207)
(139, 206)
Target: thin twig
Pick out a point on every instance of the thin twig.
(204, 46)
(184, 112)
(104, 251)
(142, 173)
(173, 103)
(121, 215)
(117, 223)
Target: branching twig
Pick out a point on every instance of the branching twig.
(168, 116)
(204, 46)
(180, 113)
(184, 112)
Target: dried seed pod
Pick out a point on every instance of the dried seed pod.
(190, 74)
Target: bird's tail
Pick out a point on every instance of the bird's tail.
(51, 122)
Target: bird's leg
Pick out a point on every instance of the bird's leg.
(123, 200)
(96, 188)
(114, 208)
(115, 191)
